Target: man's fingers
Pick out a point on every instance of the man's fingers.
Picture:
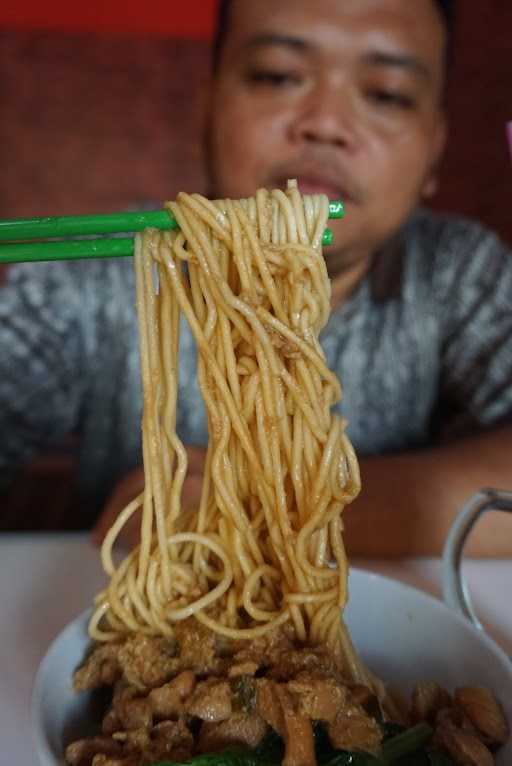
(127, 489)
(132, 485)
(196, 459)
(129, 534)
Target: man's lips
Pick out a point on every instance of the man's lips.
(312, 183)
(318, 186)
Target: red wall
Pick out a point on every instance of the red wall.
(163, 19)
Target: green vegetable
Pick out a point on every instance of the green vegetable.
(344, 758)
(408, 741)
(244, 693)
(269, 753)
(226, 758)
(391, 729)
(439, 759)
(405, 748)
(326, 755)
(425, 758)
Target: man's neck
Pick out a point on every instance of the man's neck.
(345, 274)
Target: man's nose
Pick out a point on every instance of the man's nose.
(326, 116)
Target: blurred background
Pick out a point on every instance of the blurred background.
(100, 110)
(101, 103)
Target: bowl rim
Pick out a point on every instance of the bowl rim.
(434, 601)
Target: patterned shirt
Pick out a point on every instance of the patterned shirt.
(423, 348)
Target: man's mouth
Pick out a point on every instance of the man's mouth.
(311, 182)
(319, 186)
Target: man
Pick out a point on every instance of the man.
(346, 96)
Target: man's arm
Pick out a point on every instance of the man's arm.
(41, 354)
(408, 501)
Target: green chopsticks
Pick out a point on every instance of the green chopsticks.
(84, 225)
(14, 233)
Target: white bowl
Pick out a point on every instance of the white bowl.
(402, 634)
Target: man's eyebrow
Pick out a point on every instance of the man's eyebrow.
(373, 58)
(265, 39)
(400, 61)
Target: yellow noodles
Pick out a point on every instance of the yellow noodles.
(250, 279)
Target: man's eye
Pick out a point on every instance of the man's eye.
(391, 98)
(273, 78)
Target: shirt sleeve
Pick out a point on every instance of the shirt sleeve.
(474, 299)
(41, 361)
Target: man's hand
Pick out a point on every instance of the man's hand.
(409, 501)
(132, 485)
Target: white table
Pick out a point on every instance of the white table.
(46, 580)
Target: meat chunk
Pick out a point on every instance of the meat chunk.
(354, 729)
(453, 716)
(278, 707)
(101, 668)
(298, 732)
(362, 695)
(322, 698)
(136, 714)
(428, 698)
(318, 697)
(464, 747)
(295, 661)
(171, 741)
(368, 700)
(211, 701)
(247, 668)
(168, 740)
(484, 712)
(82, 752)
(239, 729)
(106, 760)
(132, 711)
(148, 661)
(263, 651)
(111, 722)
(134, 741)
(268, 705)
(197, 648)
(167, 701)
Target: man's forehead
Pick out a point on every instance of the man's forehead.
(324, 22)
(396, 34)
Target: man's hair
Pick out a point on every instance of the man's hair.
(446, 9)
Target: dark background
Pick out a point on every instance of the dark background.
(100, 110)
(99, 120)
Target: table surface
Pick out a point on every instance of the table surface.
(47, 580)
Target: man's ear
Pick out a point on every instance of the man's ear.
(431, 183)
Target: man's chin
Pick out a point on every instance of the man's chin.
(345, 231)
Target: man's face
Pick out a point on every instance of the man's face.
(343, 95)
